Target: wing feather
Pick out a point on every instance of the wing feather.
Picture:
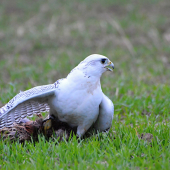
(106, 112)
(27, 103)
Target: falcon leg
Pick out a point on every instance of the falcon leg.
(82, 129)
(47, 123)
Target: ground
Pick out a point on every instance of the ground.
(41, 41)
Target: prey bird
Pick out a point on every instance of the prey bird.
(77, 99)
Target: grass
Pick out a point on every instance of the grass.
(41, 41)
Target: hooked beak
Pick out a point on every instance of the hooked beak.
(110, 64)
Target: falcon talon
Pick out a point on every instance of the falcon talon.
(52, 117)
(47, 124)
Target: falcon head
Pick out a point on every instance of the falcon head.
(96, 65)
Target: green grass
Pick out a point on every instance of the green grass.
(41, 41)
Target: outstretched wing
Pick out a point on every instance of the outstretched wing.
(106, 112)
(27, 103)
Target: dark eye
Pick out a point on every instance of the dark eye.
(103, 60)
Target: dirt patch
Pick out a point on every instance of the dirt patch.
(147, 137)
(144, 112)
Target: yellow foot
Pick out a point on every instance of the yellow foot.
(47, 125)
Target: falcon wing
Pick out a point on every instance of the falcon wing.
(27, 103)
(106, 112)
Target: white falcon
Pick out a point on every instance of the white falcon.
(77, 99)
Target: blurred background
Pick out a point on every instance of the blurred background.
(42, 40)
